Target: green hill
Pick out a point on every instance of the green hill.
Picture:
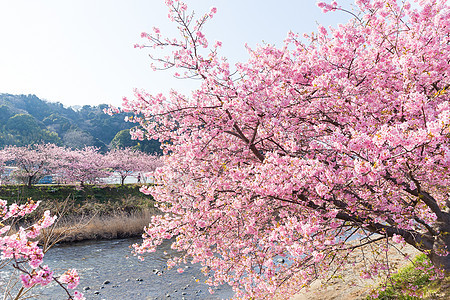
(26, 119)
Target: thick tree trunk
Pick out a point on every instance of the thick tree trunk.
(441, 262)
(30, 180)
(441, 247)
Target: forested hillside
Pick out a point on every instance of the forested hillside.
(26, 119)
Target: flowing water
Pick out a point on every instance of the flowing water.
(108, 270)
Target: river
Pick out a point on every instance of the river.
(108, 270)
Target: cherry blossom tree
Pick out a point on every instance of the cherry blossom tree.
(304, 147)
(128, 161)
(33, 161)
(5, 156)
(85, 166)
(19, 249)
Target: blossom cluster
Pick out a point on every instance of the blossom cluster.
(21, 248)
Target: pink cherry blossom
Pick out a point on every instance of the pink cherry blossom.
(78, 296)
(303, 147)
(17, 250)
(128, 161)
(71, 278)
(397, 238)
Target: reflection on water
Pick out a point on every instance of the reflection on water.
(108, 271)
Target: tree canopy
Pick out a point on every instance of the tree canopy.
(303, 147)
(123, 140)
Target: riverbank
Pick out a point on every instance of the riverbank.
(78, 195)
(99, 227)
(86, 213)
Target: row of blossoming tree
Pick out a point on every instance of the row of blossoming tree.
(68, 166)
(304, 147)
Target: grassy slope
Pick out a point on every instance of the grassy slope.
(415, 277)
(101, 199)
(100, 193)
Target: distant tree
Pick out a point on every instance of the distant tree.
(33, 161)
(102, 147)
(150, 146)
(4, 157)
(123, 161)
(123, 140)
(148, 164)
(5, 114)
(36, 107)
(100, 125)
(7, 138)
(58, 123)
(22, 124)
(45, 136)
(77, 139)
(128, 161)
(85, 166)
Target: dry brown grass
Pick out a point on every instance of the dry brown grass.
(92, 220)
(97, 227)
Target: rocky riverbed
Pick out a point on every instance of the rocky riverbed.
(109, 271)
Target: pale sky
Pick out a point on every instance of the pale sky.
(81, 52)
